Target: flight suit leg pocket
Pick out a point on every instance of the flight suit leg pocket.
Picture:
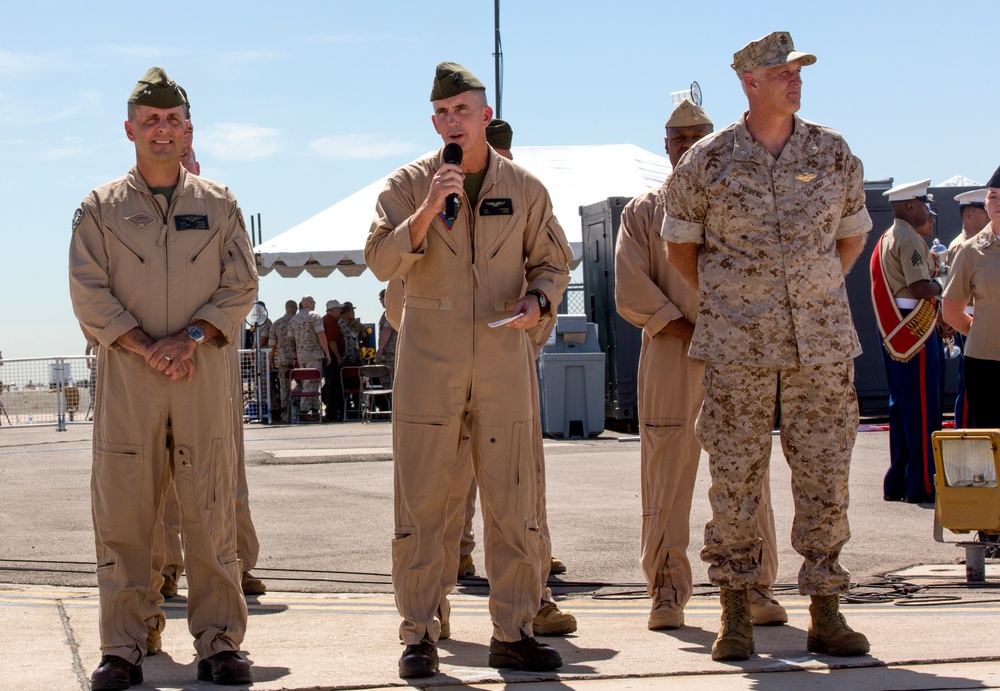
(504, 466)
(117, 476)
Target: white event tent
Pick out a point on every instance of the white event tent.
(574, 175)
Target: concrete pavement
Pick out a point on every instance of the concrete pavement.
(321, 497)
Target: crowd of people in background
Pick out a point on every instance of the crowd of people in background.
(334, 344)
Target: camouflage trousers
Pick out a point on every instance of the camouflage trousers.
(819, 421)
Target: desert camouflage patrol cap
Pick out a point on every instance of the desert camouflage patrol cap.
(451, 79)
(499, 135)
(156, 89)
(774, 49)
(687, 114)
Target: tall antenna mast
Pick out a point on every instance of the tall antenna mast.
(498, 58)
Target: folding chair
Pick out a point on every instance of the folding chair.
(351, 381)
(372, 390)
(298, 378)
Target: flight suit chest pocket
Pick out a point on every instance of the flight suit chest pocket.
(117, 476)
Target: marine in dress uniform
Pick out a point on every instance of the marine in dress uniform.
(161, 276)
(503, 254)
(765, 217)
(905, 297)
(975, 278)
(650, 294)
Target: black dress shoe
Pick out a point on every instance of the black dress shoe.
(893, 497)
(115, 673)
(420, 660)
(527, 654)
(227, 667)
(920, 499)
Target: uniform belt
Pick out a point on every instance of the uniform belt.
(906, 303)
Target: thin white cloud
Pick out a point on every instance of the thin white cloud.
(67, 148)
(351, 38)
(16, 64)
(359, 147)
(231, 141)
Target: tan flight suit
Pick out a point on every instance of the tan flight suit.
(247, 544)
(478, 377)
(134, 264)
(305, 327)
(774, 324)
(649, 293)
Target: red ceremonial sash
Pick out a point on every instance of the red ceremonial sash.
(903, 337)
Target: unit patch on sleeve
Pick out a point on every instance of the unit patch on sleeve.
(496, 207)
(191, 222)
(77, 217)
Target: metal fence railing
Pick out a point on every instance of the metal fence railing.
(59, 391)
(46, 390)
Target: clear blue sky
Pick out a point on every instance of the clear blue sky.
(296, 105)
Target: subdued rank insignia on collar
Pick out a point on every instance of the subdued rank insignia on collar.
(140, 220)
(916, 259)
(496, 207)
(77, 217)
(191, 222)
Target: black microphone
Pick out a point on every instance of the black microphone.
(452, 154)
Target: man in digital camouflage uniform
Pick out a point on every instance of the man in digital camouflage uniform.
(284, 359)
(312, 352)
(164, 296)
(650, 294)
(765, 217)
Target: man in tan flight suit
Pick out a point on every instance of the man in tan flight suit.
(248, 546)
(161, 275)
(501, 256)
(650, 294)
(765, 217)
(550, 620)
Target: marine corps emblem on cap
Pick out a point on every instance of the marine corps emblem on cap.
(687, 114)
(451, 79)
(157, 90)
(774, 49)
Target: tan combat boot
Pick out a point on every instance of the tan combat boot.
(735, 641)
(829, 632)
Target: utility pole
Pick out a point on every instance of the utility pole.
(498, 58)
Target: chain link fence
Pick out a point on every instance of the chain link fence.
(46, 391)
(59, 391)
(573, 300)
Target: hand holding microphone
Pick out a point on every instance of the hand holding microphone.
(452, 154)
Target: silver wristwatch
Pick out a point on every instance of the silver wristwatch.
(196, 334)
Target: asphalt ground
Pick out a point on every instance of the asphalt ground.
(321, 497)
